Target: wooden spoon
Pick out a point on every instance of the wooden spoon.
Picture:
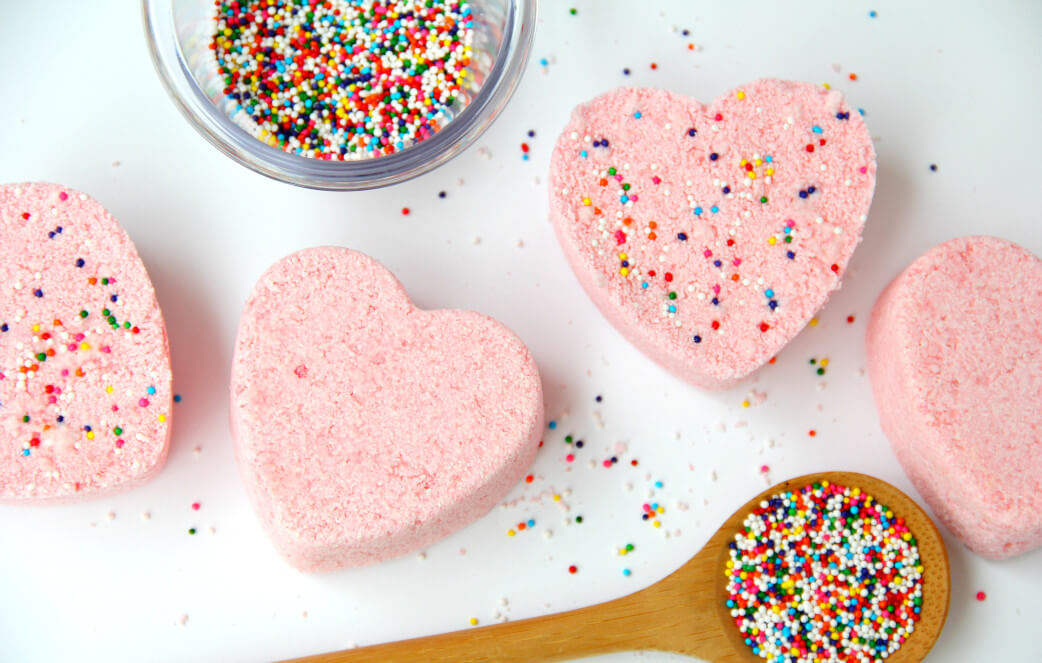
(683, 613)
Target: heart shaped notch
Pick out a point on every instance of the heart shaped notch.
(366, 428)
(709, 236)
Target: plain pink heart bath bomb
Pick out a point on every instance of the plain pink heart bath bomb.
(366, 428)
(85, 383)
(955, 359)
(710, 235)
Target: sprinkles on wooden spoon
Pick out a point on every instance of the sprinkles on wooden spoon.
(340, 79)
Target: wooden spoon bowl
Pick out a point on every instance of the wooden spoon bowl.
(683, 613)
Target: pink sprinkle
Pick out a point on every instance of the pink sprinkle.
(863, 170)
(106, 349)
(79, 337)
(65, 372)
(618, 178)
(646, 507)
(764, 469)
(981, 596)
(195, 506)
(63, 196)
(607, 462)
(115, 408)
(708, 253)
(72, 348)
(51, 400)
(737, 261)
(634, 198)
(143, 402)
(656, 179)
(119, 444)
(570, 457)
(716, 289)
(620, 237)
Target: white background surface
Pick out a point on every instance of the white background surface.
(948, 83)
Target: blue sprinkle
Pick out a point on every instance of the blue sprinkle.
(672, 309)
(531, 523)
(658, 484)
(717, 263)
(788, 229)
(872, 14)
(177, 398)
(637, 115)
(714, 156)
(727, 190)
(682, 237)
(768, 159)
(803, 194)
(624, 199)
(25, 452)
(861, 111)
(583, 154)
(151, 391)
(790, 255)
(773, 304)
(4, 327)
(80, 262)
(524, 157)
(716, 301)
(714, 209)
(816, 129)
(697, 339)
(60, 418)
(544, 61)
(768, 293)
(626, 72)
(692, 131)
(644, 284)
(698, 210)
(38, 292)
(626, 572)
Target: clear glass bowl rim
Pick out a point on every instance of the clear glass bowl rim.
(235, 142)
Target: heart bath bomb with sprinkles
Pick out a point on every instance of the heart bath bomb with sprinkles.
(366, 428)
(710, 235)
(85, 383)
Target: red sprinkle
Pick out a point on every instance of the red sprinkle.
(764, 326)
(405, 211)
(812, 432)
(529, 479)
(850, 319)
(524, 147)
(668, 276)
(654, 65)
(810, 147)
(718, 117)
(981, 596)
(573, 569)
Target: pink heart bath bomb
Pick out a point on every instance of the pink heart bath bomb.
(955, 359)
(710, 235)
(85, 382)
(366, 428)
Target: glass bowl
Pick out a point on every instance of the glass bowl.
(179, 34)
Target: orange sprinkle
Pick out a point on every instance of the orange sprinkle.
(734, 277)
(627, 221)
(604, 182)
(652, 236)
(773, 359)
(652, 224)
(812, 432)
(853, 77)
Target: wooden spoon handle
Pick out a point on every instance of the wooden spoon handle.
(599, 629)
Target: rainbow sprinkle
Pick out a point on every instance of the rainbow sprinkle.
(825, 573)
(340, 79)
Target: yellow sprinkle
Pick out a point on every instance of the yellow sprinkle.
(827, 86)
(511, 532)
(622, 551)
(586, 202)
(473, 621)
(36, 327)
(769, 171)
(84, 346)
(772, 240)
(657, 523)
(740, 95)
(824, 484)
(108, 389)
(751, 175)
(813, 322)
(661, 509)
(759, 162)
(162, 418)
(90, 435)
(557, 498)
(745, 403)
(624, 271)
(623, 256)
(742, 162)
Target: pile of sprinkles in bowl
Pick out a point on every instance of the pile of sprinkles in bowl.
(343, 79)
(825, 573)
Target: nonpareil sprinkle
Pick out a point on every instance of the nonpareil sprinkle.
(824, 573)
(342, 79)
